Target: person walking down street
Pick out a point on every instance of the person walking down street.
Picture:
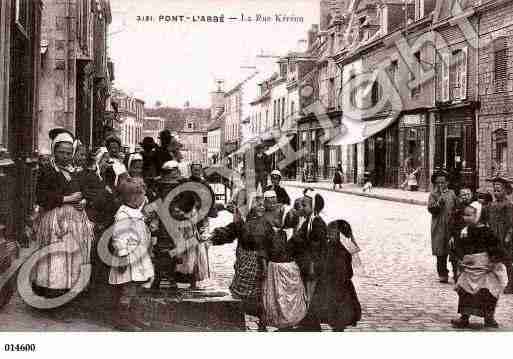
(483, 275)
(310, 243)
(338, 177)
(262, 166)
(131, 265)
(441, 204)
(500, 218)
(251, 257)
(341, 305)
(281, 194)
(284, 296)
(457, 223)
(63, 220)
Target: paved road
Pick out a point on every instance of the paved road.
(398, 291)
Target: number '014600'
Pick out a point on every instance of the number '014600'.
(20, 347)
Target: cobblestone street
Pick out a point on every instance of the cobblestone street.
(399, 290)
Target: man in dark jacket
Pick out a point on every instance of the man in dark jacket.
(262, 166)
(281, 194)
(169, 150)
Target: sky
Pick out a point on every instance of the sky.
(175, 62)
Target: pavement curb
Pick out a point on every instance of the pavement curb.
(368, 195)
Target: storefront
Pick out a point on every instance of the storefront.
(414, 148)
(381, 153)
(455, 144)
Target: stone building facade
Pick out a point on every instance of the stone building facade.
(75, 76)
(495, 85)
(20, 64)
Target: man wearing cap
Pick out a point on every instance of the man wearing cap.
(149, 159)
(441, 204)
(500, 218)
(262, 166)
(281, 193)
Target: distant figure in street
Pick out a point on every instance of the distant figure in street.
(500, 218)
(281, 194)
(441, 204)
(483, 277)
(262, 166)
(338, 178)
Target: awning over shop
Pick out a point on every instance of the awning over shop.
(282, 142)
(355, 131)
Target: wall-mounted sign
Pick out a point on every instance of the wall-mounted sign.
(411, 120)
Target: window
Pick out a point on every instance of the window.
(282, 110)
(331, 93)
(415, 74)
(393, 70)
(22, 9)
(500, 63)
(375, 95)
(266, 119)
(292, 108)
(283, 70)
(354, 93)
(189, 125)
(500, 151)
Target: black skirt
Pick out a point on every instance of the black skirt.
(481, 304)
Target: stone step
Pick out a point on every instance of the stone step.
(187, 310)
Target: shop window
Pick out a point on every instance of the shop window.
(500, 150)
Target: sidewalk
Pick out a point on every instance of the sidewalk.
(386, 194)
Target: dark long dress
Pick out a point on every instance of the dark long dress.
(310, 251)
(341, 305)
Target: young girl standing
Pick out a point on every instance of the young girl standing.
(483, 277)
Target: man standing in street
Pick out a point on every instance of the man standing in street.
(281, 193)
(262, 166)
(441, 204)
(500, 213)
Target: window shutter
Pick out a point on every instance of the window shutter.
(470, 145)
(464, 73)
(446, 61)
(439, 146)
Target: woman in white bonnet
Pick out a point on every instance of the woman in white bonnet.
(63, 220)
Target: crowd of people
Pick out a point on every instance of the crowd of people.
(292, 270)
(473, 233)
